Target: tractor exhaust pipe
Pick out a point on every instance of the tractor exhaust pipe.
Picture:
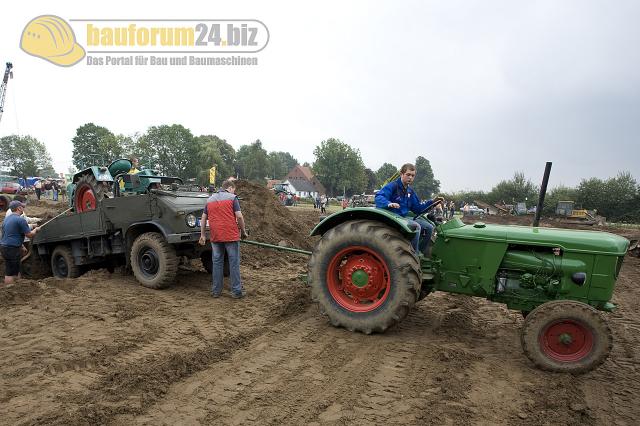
(543, 192)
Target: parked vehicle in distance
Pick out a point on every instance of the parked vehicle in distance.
(9, 185)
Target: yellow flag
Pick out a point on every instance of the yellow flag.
(212, 175)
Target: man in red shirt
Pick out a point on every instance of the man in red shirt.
(224, 215)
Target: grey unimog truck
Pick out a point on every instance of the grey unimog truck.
(144, 221)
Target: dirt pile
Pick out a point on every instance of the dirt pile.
(269, 222)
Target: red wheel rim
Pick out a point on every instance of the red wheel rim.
(85, 198)
(358, 279)
(566, 340)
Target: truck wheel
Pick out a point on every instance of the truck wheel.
(566, 336)
(63, 264)
(154, 261)
(4, 203)
(207, 263)
(88, 194)
(364, 276)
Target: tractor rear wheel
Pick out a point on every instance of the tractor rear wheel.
(364, 276)
(154, 261)
(88, 194)
(566, 336)
(63, 264)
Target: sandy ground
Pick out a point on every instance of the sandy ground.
(101, 349)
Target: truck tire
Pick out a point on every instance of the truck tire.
(364, 276)
(4, 203)
(63, 264)
(207, 263)
(566, 336)
(88, 194)
(154, 261)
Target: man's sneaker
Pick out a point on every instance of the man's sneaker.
(215, 295)
(238, 295)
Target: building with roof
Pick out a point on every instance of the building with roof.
(302, 188)
(300, 174)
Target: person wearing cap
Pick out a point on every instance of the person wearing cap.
(32, 221)
(14, 230)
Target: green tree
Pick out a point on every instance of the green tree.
(169, 149)
(425, 184)
(339, 166)
(616, 198)
(280, 163)
(210, 155)
(385, 172)
(465, 197)
(95, 145)
(252, 162)
(559, 193)
(25, 156)
(372, 181)
(518, 189)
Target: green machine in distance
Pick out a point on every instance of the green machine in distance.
(366, 277)
(92, 184)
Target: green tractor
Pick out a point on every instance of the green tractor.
(366, 277)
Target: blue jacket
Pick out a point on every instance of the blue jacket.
(394, 192)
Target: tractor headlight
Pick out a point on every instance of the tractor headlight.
(191, 220)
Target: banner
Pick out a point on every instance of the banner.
(212, 175)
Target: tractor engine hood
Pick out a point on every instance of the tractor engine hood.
(568, 240)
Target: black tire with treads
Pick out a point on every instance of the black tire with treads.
(392, 249)
(63, 264)
(536, 332)
(154, 261)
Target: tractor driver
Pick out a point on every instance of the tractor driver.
(398, 196)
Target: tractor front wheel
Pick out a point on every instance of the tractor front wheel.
(153, 260)
(364, 276)
(566, 336)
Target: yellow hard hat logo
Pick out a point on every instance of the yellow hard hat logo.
(51, 38)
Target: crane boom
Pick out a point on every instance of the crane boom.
(3, 88)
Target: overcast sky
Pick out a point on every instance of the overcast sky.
(480, 88)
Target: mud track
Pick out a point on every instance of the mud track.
(101, 349)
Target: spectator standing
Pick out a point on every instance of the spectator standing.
(14, 231)
(38, 187)
(55, 188)
(224, 215)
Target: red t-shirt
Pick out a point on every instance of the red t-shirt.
(221, 211)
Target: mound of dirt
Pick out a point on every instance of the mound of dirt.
(270, 222)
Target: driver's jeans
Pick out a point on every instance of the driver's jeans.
(422, 239)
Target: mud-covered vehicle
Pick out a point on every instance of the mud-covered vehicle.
(144, 221)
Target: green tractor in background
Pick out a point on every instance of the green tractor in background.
(366, 277)
(91, 185)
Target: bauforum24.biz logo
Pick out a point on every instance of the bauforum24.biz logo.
(140, 42)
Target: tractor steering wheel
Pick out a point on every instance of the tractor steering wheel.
(428, 209)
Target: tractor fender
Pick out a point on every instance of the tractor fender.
(101, 174)
(363, 213)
